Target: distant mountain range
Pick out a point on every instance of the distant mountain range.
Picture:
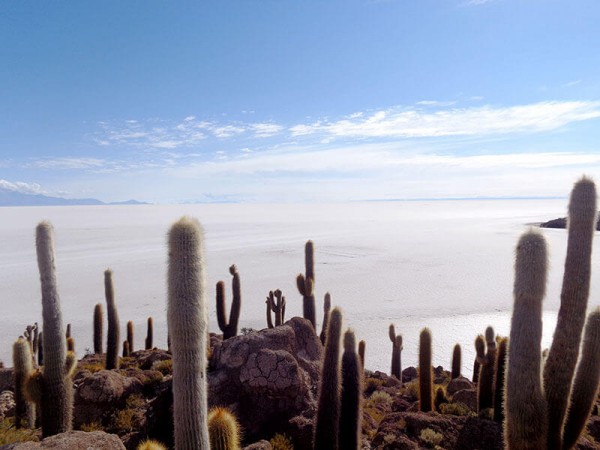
(9, 197)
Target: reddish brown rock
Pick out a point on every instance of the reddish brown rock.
(73, 440)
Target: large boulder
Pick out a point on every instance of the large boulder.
(268, 377)
(73, 440)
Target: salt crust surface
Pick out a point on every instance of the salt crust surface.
(447, 265)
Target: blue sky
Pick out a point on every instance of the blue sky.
(281, 100)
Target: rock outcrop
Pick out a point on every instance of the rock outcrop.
(73, 440)
(268, 378)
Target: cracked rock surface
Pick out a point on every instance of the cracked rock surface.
(267, 377)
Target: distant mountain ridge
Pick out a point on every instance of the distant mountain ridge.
(9, 197)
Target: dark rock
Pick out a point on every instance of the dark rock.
(7, 383)
(468, 397)
(73, 440)
(458, 384)
(480, 434)
(593, 427)
(409, 374)
(260, 445)
(561, 222)
(7, 404)
(268, 377)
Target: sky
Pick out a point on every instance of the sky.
(288, 100)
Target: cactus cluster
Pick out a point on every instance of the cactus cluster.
(552, 415)
(275, 304)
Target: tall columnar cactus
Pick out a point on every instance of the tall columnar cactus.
(276, 304)
(485, 387)
(326, 311)
(479, 357)
(112, 338)
(351, 411)
(149, 343)
(476, 368)
(425, 372)
(223, 430)
(562, 358)
(456, 361)
(68, 332)
(130, 335)
(98, 329)
(499, 379)
(396, 353)
(328, 413)
(23, 368)
(585, 384)
(526, 424)
(229, 328)
(57, 392)
(306, 285)
(188, 327)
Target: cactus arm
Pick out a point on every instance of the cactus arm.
(98, 329)
(236, 302)
(221, 307)
(562, 358)
(585, 384)
(326, 310)
(456, 361)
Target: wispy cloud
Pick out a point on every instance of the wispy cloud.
(485, 120)
(19, 186)
(68, 163)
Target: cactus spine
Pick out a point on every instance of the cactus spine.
(306, 285)
(98, 329)
(328, 412)
(112, 338)
(485, 387)
(151, 445)
(223, 430)
(585, 384)
(23, 368)
(499, 378)
(562, 358)
(326, 311)
(351, 413)
(396, 353)
(275, 303)
(149, 344)
(526, 425)
(425, 372)
(229, 328)
(456, 361)
(57, 389)
(188, 327)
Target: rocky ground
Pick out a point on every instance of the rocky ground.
(269, 379)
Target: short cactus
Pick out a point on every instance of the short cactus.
(485, 387)
(188, 328)
(276, 304)
(328, 412)
(425, 372)
(23, 368)
(150, 445)
(130, 335)
(112, 338)
(361, 353)
(396, 353)
(98, 325)
(499, 380)
(306, 285)
(223, 430)
(149, 344)
(229, 328)
(126, 351)
(351, 411)
(326, 311)
(456, 361)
